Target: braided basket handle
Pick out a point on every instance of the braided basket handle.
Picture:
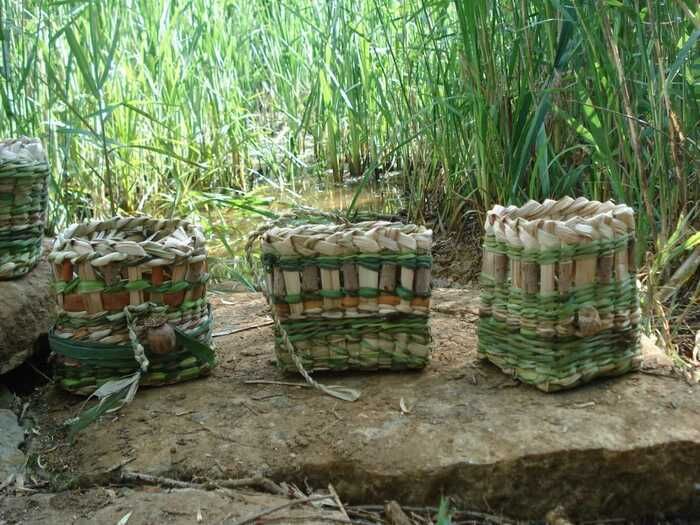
(339, 392)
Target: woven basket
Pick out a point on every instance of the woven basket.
(350, 296)
(117, 282)
(23, 197)
(559, 302)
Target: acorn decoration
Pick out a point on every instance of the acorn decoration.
(160, 334)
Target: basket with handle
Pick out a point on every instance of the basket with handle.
(24, 172)
(349, 296)
(132, 300)
(559, 303)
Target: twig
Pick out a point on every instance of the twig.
(42, 374)
(238, 330)
(137, 477)
(258, 515)
(25, 407)
(366, 515)
(331, 489)
(256, 481)
(432, 510)
(309, 518)
(264, 397)
(269, 382)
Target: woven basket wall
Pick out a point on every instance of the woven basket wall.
(24, 174)
(350, 296)
(136, 265)
(559, 302)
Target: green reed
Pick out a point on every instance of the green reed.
(146, 104)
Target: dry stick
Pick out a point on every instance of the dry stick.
(244, 329)
(433, 510)
(309, 518)
(269, 382)
(137, 477)
(634, 137)
(331, 489)
(258, 515)
(256, 481)
(684, 272)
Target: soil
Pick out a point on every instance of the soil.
(627, 446)
(151, 505)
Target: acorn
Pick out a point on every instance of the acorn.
(161, 336)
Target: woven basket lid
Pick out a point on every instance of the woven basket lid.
(312, 240)
(139, 240)
(20, 152)
(565, 221)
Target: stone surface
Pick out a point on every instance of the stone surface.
(27, 311)
(627, 446)
(151, 505)
(11, 437)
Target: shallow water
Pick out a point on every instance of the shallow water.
(232, 228)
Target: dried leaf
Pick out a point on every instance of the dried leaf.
(125, 519)
(404, 409)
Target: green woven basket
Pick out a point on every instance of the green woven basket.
(130, 288)
(349, 296)
(24, 174)
(559, 302)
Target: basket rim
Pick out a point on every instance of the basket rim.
(311, 240)
(100, 242)
(22, 152)
(554, 222)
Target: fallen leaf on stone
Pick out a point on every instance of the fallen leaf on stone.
(402, 405)
(200, 518)
(125, 519)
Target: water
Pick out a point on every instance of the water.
(230, 229)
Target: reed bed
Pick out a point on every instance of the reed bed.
(179, 109)
(146, 104)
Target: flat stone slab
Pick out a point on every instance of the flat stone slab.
(11, 437)
(627, 446)
(27, 311)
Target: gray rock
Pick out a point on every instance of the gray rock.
(11, 437)
(628, 446)
(27, 311)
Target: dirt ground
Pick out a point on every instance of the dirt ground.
(627, 446)
(154, 505)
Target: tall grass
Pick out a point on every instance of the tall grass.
(171, 107)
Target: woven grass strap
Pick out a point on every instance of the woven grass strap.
(339, 392)
(116, 393)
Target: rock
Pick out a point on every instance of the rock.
(627, 446)
(11, 437)
(27, 311)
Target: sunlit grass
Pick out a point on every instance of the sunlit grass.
(151, 104)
